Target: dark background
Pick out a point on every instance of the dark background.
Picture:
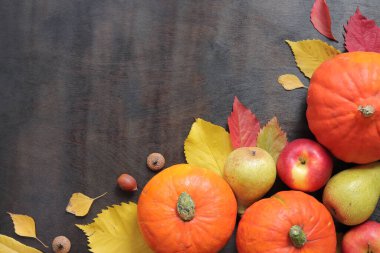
(89, 88)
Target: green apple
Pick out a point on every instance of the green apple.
(251, 172)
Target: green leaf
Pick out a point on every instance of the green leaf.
(272, 138)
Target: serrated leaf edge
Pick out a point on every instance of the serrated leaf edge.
(289, 42)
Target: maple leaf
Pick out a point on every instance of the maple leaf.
(362, 34)
(272, 138)
(24, 225)
(207, 146)
(321, 19)
(115, 230)
(243, 126)
(10, 245)
(309, 54)
(80, 204)
(290, 82)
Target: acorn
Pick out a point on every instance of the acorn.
(61, 244)
(155, 161)
(127, 183)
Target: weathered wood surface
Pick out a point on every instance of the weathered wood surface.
(89, 88)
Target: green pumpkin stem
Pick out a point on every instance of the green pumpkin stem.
(185, 207)
(367, 111)
(297, 236)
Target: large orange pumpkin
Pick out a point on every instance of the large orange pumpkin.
(343, 106)
(287, 222)
(187, 209)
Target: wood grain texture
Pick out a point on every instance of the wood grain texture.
(89, 88)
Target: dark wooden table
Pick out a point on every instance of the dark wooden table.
(89, 88)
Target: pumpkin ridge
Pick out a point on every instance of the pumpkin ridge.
(352, 80)
(328, 89)
(373, 84)
(338, 118)
(341, 131)
(319, 238)
(352, 132)
(319, 224)
(311, 233)
(308, 225)
(344, 71)
(148, 233)
(326, 110)
(283, 202)
(160, 219)
(268, 228)
(204, 230)
(279, 199)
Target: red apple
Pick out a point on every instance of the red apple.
(304, 165)
(362, 238)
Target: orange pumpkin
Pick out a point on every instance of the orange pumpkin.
(187, 209)
(343, 106)
(289, 221)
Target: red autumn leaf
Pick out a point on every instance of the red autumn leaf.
(320, 18)
(243, 126)
(362, 34)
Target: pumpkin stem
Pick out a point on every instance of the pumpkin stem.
(367, 110)
(185, 207)
(297, 236)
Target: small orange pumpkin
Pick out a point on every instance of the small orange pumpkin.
(186, 209)
(343, 106)
(289, 221)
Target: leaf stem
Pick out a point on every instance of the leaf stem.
(100, 196)
(41, 242)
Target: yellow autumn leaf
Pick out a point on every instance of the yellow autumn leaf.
(290, 82)
(116, 230)
(24, 225)
(80, 204)
(207, 146)
(272, 138)
(309, 54)
(10, 245)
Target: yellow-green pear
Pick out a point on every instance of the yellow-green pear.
(251, 172)
(352, 194)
